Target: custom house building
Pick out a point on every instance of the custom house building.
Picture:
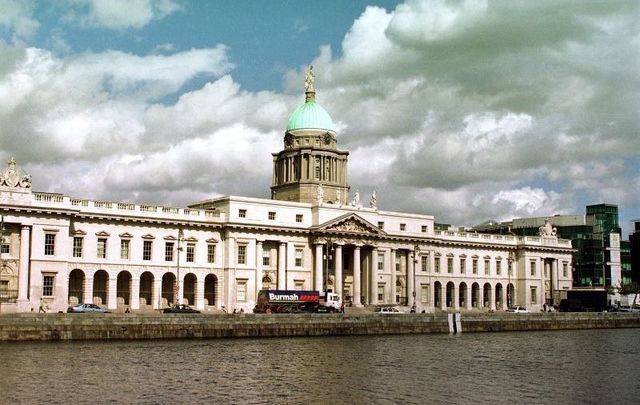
(311, 235)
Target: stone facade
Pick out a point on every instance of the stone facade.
(58, 250)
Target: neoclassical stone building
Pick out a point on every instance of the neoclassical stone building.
(310, 235)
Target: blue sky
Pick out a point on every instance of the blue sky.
(467, 110)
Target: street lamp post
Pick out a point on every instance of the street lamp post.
(416, 252)
(179, 248)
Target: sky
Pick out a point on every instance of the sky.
(465, 110)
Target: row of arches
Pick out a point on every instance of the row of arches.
(99, 289)
(488, 297)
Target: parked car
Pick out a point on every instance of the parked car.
(87, 308)
(387, 310)
(518, 310)
(181, 309)
(627, 308)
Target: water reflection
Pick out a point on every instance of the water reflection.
(544, 367)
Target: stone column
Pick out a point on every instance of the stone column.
(481, 297)
(373, 280)
(545, 273)
(338, 270)
(468, 303)
(87, 293)
(411, 272)
(356, 276)
(282, 263)
(443, 296)
(258, 267)
(112, 301)
(554, 279)
(156, 294)
(200, 293)
(394, 275)
(135, 292)
(492, 298)
(319, 270)
(456, 297)
(23, 271)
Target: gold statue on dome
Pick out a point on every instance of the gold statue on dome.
(309, 77)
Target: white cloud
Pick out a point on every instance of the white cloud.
(120, 14)
(16, 16)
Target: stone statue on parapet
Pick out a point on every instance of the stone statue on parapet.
(547, 230)
(319, 194)
(309, 77)
(373, 203)
(338, 195)
(356, 200)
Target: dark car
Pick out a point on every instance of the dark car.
(181, 309)
(87, 308)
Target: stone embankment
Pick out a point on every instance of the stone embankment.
(30, 327)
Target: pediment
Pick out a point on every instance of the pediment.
(350, 224)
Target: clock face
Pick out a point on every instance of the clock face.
(327, 138)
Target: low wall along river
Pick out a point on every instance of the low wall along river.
(23, 327)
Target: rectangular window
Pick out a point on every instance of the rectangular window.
(498, 267)
(437, 265)
(102, 248)
(124, 249)
(449, 264)
(398, 258)
(474, 265)
(380, 225)
(510, 268)
(299, 218)
(49, 244)
(4, 245)
(242, 213)
(47, 285)
(380, 261)
(77, 246)
(241, 292)
(146, 250)
(565, 269)
(487, 263)
(424, 294)
(534, 295)
(403, 227)
(272, 216)
(168, 251)
(211, 253)
(299, 253)
(532, 267)
(191, 252)
(425, 263)
(266, 258)
(463, 265)
(424, 228)
(242, 254)
(545, 271)
(298, 285)
(380, 293)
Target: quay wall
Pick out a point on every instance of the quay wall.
(47, 327)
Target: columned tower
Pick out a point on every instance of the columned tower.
(310, 168)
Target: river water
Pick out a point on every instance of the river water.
(560, 367)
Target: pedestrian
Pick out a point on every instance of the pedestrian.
(235, 311)
(242, 310)
(127, 311)
(43, 307)
(342, 307)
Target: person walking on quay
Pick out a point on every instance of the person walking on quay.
(43, 307)
(342, 307)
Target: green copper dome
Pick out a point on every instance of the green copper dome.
(310, 115)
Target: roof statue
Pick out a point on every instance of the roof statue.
(319, 194)
(356, 200)
(14, 177)
(547, 230)
(309, 77)
(373, 203)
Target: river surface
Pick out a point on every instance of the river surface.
(559, 367)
